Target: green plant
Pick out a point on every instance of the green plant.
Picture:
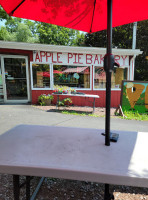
(60, 103)
(136, 115)
(65, 102)
(43, 98)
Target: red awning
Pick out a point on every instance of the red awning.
(84, 15)
(75, 70)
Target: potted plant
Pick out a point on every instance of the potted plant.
(67, 101)
(45, 99)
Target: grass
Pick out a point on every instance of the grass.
(78, 113)
(136, 116)
(130, 115)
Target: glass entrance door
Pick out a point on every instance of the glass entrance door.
(15, 77)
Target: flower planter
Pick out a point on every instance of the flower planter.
(46, 102)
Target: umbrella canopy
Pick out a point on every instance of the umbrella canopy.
(85, 15)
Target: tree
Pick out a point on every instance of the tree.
(23, 34)
(141, 64)
(30, 31)
(122, 38)
(57, 35)
(5, 35)
(3, 14)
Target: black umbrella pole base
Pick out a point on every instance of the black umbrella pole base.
(107, 195)
(113, 136)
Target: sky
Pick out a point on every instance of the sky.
(2, 23)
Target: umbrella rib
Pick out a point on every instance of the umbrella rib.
(11, 13)
(92, 17)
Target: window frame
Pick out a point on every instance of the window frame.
(90, 88)
(51, 65)
(2, 57)
(31, 73)
(104, 89)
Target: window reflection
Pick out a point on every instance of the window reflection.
(72, 76)
(41, 75)
(117, 76)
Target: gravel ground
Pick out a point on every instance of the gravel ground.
(59, 189)
(99, 111)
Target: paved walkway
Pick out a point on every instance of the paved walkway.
(12, 115)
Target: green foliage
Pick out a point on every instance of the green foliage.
(141, 64)
(3, 14)
(12, 24)
(60, 103)
(65, 102)
(136, 116)
(23, 34)
(37, 32)
(77, 113)
(43, 97)
(5, 35)
(122, 38)
(15, 30)
(56, 35)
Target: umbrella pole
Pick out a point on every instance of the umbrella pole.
(107, 195)
(108, 72)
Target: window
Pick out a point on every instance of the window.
(71, 76)
(41, 75)
(117, 76)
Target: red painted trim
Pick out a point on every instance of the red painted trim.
(17, 52)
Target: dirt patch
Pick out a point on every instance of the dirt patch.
(99, 111)
(59, 189)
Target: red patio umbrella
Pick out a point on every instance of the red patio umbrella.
(85, 15)
(47, 74)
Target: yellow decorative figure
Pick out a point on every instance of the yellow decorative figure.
(133, 92)
(146, 97)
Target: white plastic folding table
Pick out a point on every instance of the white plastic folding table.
(74, 153)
